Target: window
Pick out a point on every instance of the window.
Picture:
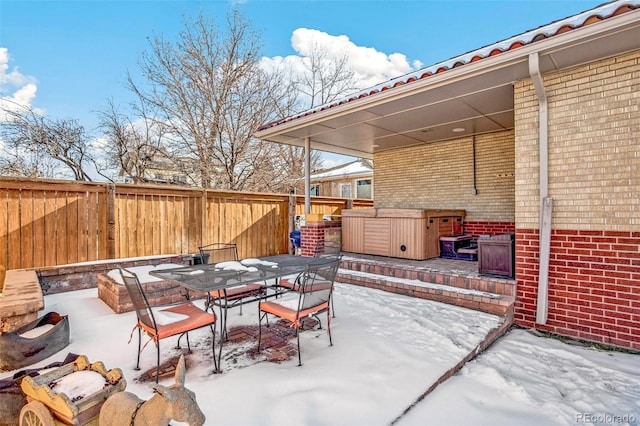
(315, 189)
(363, 188)
(345, 190)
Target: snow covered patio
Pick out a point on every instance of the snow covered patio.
(388, 351)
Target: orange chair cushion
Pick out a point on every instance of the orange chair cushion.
(292, 285)
(196, 318)
(289, 283)
(290, 314)
(238, 292)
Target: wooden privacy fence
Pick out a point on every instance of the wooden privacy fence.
(48, 222)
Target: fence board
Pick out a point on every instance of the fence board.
(61, 228)
(93, 223)
(14, 247)
(193, 233)
(73, 212)
(83, 226)
(4, 234)
(26, 227)
(38, 228)
(50, 247)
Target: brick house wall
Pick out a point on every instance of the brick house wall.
(594, 180)
(441, 176)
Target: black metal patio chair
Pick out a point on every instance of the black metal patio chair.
(310, 300)
(323, 249)
(165, 322)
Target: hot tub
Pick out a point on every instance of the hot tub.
(402, 233)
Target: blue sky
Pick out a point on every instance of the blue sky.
(77, 53)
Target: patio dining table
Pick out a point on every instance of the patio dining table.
(222, 276)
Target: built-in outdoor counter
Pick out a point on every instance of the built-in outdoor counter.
(403, 233)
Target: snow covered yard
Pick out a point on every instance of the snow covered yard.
(388, 349)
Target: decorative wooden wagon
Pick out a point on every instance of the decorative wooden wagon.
(69, 395)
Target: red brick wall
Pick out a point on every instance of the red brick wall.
(314, 232)
(594, 285)
(489, 228)
(310, 234)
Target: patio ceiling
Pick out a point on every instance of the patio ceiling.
(476, 95)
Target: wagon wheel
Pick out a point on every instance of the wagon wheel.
(36, 413)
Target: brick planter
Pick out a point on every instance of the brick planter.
(158, 292)
(79, 276)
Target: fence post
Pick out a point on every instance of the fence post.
(203, 219)
(111, 221)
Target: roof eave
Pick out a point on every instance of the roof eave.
(512, 58)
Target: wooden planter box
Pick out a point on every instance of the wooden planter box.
(402, 233)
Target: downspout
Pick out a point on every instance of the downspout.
(307, 175)
(546, 203)
(474, 190)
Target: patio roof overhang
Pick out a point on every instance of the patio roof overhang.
(476, 96)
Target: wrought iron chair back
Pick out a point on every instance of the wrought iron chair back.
(234, 296)
(218, 252)
(328, 248)
(138, 299)
(184, 317)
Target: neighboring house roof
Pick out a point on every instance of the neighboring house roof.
(352, 169)
(544, 32)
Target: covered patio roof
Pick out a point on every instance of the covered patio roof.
(466, 95)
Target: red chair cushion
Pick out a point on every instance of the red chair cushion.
(239, 291)
(196, 318)
(291, 314)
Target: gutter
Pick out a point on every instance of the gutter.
(546, 203)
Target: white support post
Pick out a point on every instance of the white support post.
(307, 175)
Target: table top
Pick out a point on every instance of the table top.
(210, 277)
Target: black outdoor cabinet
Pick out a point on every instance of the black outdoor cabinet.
(496, 255)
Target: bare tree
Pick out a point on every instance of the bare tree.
(324, 78)
(36, 146)
(132, 148)
(209, 91)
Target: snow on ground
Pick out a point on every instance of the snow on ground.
(388, 349)
(526, 379)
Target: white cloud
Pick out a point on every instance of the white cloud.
(371, 66)
(17, 90)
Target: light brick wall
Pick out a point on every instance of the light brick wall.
(594, 180)
(440, 176)
(594, 147)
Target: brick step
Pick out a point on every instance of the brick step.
(460, 279)
(497, 304)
